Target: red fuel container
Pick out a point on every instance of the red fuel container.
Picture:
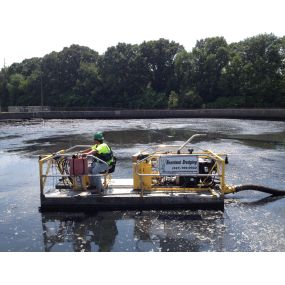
(78, 166)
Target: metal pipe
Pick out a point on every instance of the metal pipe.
(77, 146)
(65, 175)
(189, 140)
(180, 174)
(95, 157)
(41, 179)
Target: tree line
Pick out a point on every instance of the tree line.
(154, 74)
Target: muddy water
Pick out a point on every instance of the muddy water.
(252, 221)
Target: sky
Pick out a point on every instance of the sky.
(34, 28)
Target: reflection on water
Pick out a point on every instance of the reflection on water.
(134, 231)
(80, 232)
(252, 221)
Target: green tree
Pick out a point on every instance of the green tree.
(60, 73)
(192, 100)
(280, 98)
(88, 89)
(150, 99)
(4, 93)
(183, 71)
(154, 74)
(159, 58)
(124, 75)
(210, 58)
(16, 86)
(254, 70)
(173, 100)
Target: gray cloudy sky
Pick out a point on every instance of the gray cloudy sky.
(33, 28)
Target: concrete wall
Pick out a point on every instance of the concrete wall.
(27, 109)
(258, 114)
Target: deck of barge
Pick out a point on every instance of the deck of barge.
(121, 196)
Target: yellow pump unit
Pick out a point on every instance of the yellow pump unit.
(172, 168)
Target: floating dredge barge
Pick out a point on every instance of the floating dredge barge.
(164, 177)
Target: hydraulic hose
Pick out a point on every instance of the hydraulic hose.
(272, 191)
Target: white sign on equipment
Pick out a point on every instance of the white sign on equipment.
(178, 164)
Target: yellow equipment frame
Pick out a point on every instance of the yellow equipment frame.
(48, 162)
(144, 175)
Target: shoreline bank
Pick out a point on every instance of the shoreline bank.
(255, 114)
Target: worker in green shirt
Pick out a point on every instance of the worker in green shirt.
(104, 153)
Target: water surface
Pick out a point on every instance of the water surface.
(252, 221)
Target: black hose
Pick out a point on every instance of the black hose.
(272, 191)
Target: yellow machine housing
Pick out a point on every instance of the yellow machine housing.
(166, 169)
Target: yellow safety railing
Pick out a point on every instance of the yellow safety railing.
(50, 167)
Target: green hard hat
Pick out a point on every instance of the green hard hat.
(98, 136)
